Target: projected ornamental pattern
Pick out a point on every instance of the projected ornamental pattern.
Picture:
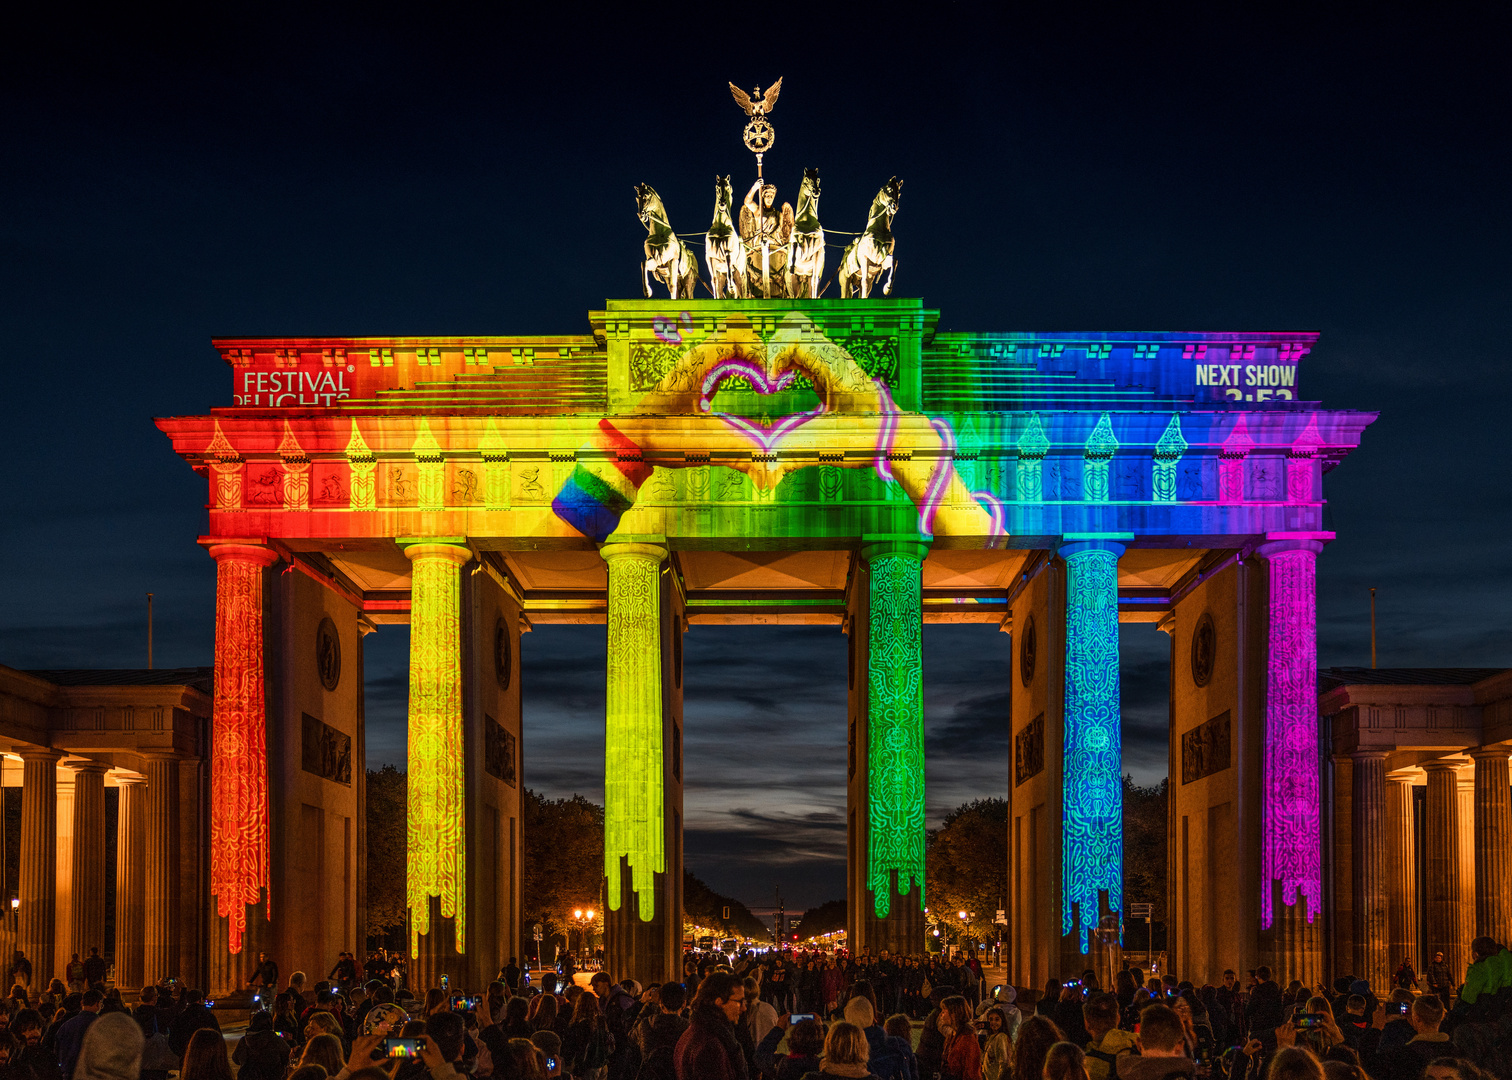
(715, 462)
(1092, 841)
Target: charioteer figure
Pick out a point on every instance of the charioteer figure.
(766, 231)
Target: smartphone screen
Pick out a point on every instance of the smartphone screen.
(1309, 1020)
(401, 1048)
(798, 1018)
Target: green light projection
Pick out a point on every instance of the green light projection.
(437, 854)
(634, 828)
(895, 723)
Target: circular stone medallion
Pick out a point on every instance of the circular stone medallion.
(328, 654)
(1204, 649)
(503, 653)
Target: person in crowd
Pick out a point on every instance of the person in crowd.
(1107, 1042)
(510, 974)
(95, 969)
(845, 1054)
(445, 1039)
(1353, 1024)
(344, 973)
(1440, 979)
(261, 1054)
(1488, 983)
(193, 1017)
(27, 1025)
(654, 1038)
(997, 1046)
(543, 1012)
(112, 1050)
(760, 1017)
(961, 1057)
(297, 986)
(205, 1057)
(1405, 978)
(20, 972)
(1428, 1042)
(1068, 1014)
(1162, 1048)
(1065, 1061)
(264, 980)
(69, 1039)
(1294, 1063)
(805, 1045)
(585, 1046)
(709, 1049)
(1454, 1068)
(898, 1027)
(1035, 1038)
(1049, 1000)
(887, 1057)
(323, 1049)
(516, 1023)
(73, 974)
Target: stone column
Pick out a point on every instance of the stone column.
(1092, 780)
(636, 927)
(36, 921)
(239, 741)
(130, 881)
(1372, 926)
(437, 867)
(1291, 876)
(1493, 835)
(1464, 786)
(160, 868)
(894, 900)
(1401, 873)
(1441, 840)
(87, 909)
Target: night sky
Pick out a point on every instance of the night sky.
(307, 172)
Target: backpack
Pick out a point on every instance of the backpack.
(660, 1064)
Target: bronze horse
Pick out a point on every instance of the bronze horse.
(724, 250)
(872, 252)
(667, 257)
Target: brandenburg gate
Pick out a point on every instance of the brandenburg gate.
(787, 460)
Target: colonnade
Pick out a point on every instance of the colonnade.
(146, 864)
(1467, 881)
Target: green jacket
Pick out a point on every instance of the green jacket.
(1487, 977)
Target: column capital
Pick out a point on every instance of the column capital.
(1442, 765)
(248, 551)
(1368, 755)
(879, 547)
(1283, 544)
(1490, 753)
(1069, 549)
(38, 753)
(87, 766)
(650, 552)
(129, 780)
(453, 548)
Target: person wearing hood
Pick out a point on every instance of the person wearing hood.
(262, 1054)
(1107, 1042)
(1489, 977)
(112, 1049)
(1004, 999)
(1162, 1048)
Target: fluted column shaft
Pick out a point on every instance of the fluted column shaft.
(437, 853)
(1092, 761)
(1401, 874)
(87, 907)
(1441, 840)
(239, 755)
(1371, 860)
(36, 922)
(160, 845)
(1493, 834)
(131, 882)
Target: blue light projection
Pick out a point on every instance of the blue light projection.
(1092, 839)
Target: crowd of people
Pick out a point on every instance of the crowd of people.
(776, 1016)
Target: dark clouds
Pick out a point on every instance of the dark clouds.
(313, 172)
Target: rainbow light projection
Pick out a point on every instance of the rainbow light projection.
(1092, 840)
(1290, 845)
(239, 752)
(437, 855)
(634, 828)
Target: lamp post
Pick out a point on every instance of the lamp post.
(583, 920)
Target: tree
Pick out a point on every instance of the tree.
(387, 850)
(827, 918)
(564, 862)
(1145, 833)
(966, 866)
(703, 906)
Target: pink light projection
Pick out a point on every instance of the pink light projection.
(743, 369)
(889, 431)
(1290, 828)
(768, 437)
(940, 478)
